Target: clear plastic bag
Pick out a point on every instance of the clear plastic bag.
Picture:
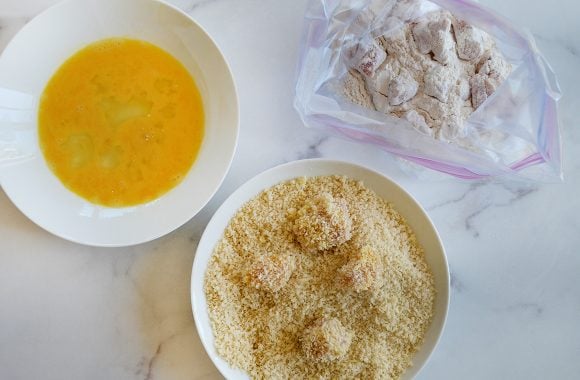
(514, 133)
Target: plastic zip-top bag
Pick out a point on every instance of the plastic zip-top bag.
(511, 131)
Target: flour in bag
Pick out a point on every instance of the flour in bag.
(434, 72)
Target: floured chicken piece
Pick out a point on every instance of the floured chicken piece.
(471, 42)
(463, 89)
(439, 81)
(490, 75)
(478, 90)
(378, 86)
(354, 90)
(434, 73)
(370, 60)
(434, 36)
(402, 88)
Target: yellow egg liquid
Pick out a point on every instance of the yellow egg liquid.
(121, 122)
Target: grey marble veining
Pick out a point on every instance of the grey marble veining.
(69, 311)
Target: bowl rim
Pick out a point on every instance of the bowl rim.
(232, 204)
(169, 227)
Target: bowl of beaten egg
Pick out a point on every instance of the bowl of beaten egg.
(127, 115)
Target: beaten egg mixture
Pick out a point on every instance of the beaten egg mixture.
(121, 122)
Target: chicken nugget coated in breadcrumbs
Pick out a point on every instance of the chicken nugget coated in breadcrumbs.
(362, 271)
(271, 272)
(326, 340)
(323, 223)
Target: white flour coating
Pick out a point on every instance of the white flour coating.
(433, 72)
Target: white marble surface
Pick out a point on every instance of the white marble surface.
(74, 312)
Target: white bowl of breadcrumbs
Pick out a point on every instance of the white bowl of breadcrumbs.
(320, 269)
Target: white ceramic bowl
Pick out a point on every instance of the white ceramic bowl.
(42, 46)
(383, 186)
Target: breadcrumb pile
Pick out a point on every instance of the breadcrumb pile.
(319, 278)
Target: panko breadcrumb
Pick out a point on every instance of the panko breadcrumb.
(319, 278)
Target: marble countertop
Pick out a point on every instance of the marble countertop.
(73, 312)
